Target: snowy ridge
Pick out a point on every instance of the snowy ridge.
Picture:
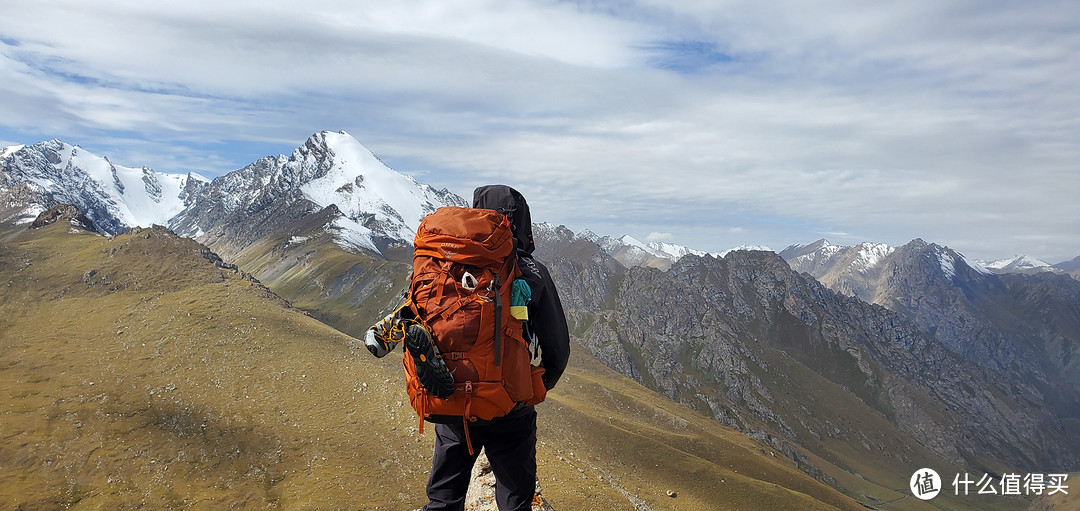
(974, 264)
(951, 261)
(672, 251)
(370, 203)
(585, 234)
(630, 251)
(9, 150)
(797, 249)
(870, 255)
(114, 197)
(669, 251)
(724, 253)
(819, 256)
(947, 262)
(865, 259)
(1020, 262)
(630, 241)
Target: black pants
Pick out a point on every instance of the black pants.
(510, 444)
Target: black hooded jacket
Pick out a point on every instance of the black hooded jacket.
(546, 318)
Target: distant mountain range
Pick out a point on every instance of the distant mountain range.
(821, 252)
(858, 364)
(630, 252)
(371, 206)
(36, 177)
(1007, 322)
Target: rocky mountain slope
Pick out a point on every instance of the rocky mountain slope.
(781, 357)
(1021, 325)
(1071, 267)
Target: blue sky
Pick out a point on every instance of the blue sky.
(709, 124)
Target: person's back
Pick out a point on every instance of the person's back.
(476, 299)
(509, 441)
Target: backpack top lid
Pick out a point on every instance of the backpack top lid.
(511, 203)
(476, 237)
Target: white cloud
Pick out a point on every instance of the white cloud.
(953, 122)
(659, 236)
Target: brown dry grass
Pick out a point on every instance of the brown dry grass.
(135, 374)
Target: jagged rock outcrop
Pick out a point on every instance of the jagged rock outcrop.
(62, 212)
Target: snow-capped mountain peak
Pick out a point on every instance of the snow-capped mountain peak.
(369, 203)
(361, 186)
(585, 234)
(630, 251)
(1017, 263)
(114, 197)
(631, 241)
(795, 250)
(673, 251)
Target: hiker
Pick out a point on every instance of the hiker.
(445, 357)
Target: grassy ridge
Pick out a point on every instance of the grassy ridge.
(133, 371)
(343, 289)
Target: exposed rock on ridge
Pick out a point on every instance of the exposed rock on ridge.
(63, 212)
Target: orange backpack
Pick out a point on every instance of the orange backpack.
(464, 266)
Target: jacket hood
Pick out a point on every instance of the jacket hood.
(511, 203)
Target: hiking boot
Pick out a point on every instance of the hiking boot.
(385, 335)
(430, 368)
(378, 345)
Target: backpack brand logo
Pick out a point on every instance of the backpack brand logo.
(449, 250)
